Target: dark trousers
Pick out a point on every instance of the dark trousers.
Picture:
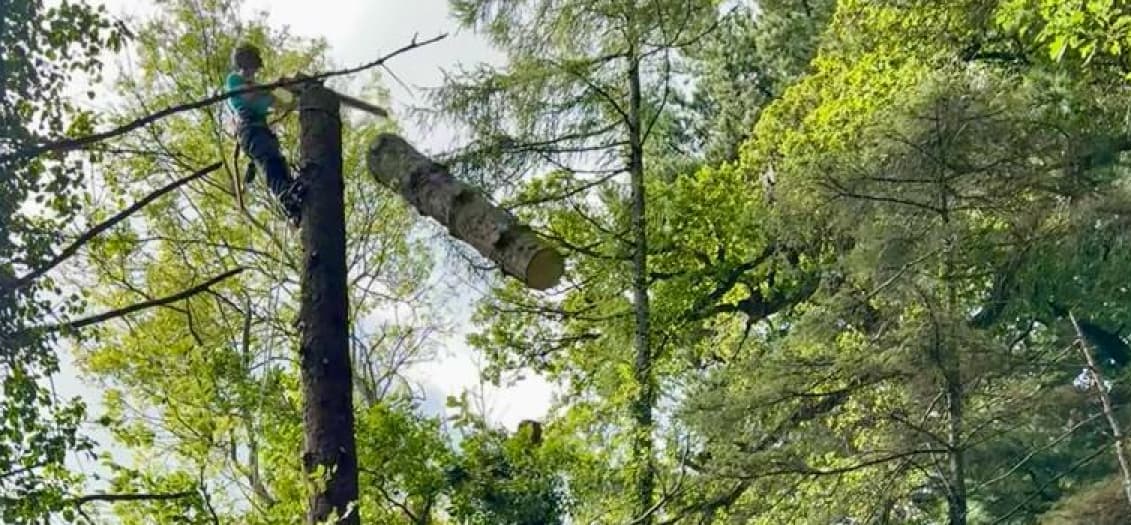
(261, 144)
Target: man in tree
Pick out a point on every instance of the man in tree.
(255, 136)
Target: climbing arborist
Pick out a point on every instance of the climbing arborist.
(255, 135)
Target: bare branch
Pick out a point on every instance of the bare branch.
(121, 312)
(1038, 450)
(1083, 461)
(1109, 412)
(70, 144)
(117, 498)
(597, 89)
(206, 497)
(18, 471)
(806, 470)
(90, 234)
(806, 412)
(565, 194)
(727, 282)
(393, 501)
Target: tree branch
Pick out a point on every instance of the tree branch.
(713, 505)
(757, 307)
(90, 234)
(570, 192)
(729, 280)
(117, 498)
(806, 470)
(1032, 453)
(840, 190)
(806, 412)
(121, 312)
(1003, 285)
(597, 89)
(1072, 468)
(69, 144)
(21, 470)
(1109, 412)
(396, 503)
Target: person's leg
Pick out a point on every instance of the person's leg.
(263, 146)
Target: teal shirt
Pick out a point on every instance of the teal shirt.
(247, 111)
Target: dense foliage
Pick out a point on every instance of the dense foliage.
(829, 262)
(42, 48)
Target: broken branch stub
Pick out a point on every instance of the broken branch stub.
(465, 212)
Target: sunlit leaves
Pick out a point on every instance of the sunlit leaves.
(212, 381)
(1075, 33)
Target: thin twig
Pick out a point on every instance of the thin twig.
(668, 494)
(1083, 461)
(115, 498)
(206, 497)
(1116, 432)
(121, 312)
(815, 472)
(69, 144)
(90, 234)
(1036, 451)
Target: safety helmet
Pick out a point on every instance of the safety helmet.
(246, 56)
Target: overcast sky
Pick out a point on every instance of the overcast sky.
(359, 31)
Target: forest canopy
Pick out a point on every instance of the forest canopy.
(825, 262)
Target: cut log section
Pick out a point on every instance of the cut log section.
(362, 105)
(465, 212)
(286, 95)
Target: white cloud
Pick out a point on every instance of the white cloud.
(359, 31)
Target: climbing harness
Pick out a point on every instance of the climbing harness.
(250, 169)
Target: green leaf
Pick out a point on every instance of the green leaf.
(1058, 47)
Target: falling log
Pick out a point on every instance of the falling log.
(465, 212)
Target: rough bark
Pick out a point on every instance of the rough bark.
(327, 381)
(465, 212)
(642, 446)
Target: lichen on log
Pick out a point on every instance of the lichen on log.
(467, 214)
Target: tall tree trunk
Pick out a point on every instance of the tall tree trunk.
(1109, 411)
(950, 361)
(945, 355)
(642, 371)
(956, 502)
(955, 398)
(327, 380)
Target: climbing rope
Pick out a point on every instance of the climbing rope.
(279, 236)
(273, 332)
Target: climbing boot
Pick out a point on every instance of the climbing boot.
(291, 201)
